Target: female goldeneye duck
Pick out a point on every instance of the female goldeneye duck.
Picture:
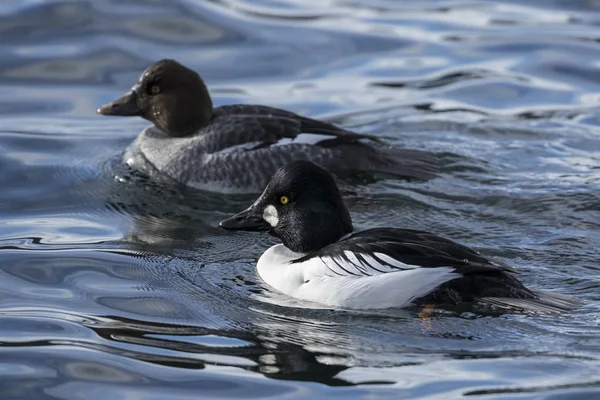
(237, 148)
(323, 261)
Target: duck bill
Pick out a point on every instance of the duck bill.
(248, 220)
(125, 106)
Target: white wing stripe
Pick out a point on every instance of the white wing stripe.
(340, 266)
(392, 261)
(304, 138)
(350, 263)
(376, 265)
(333, 266)
(359, 266)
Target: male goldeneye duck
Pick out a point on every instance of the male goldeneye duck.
(323, 261)
(237, 148)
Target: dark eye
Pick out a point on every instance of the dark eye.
(154, 89)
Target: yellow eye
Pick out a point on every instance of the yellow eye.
(284, 200)
(155, 89)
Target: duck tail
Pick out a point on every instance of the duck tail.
(543, 303)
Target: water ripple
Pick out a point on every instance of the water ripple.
(113, 285)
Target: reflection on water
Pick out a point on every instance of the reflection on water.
(115, 286)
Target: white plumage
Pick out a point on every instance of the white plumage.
(340, 283)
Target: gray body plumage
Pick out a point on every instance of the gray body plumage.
(243, 145)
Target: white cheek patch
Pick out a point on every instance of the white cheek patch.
(270, 215)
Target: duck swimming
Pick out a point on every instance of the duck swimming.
(237, 148)
(322, 260)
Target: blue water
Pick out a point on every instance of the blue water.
(115, 287)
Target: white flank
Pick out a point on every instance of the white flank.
(325, 281)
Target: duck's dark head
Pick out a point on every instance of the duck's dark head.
(168, 94)
(301, 205)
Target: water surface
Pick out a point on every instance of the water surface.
(112, 286)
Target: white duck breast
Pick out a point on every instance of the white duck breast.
(359, 281)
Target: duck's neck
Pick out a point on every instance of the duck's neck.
(319, 238)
